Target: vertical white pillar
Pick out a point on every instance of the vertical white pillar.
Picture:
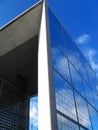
(44, 118)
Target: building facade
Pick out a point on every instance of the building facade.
(18, 68)
(38, 57)
(74, 81)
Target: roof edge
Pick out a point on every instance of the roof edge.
(23, 13)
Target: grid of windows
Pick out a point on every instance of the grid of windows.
(74, 81)
(82, 110)
(64, 91)
(94, 117)
(14, 108)
(66, 124)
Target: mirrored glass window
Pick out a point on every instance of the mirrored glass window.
(65, 124)
(64, 97)
(71, 50)
(94, 118)
(83, 115)
(76, 79)
(60, 63)
(54, 19)
(75, 82)
(96, 100)
(57, 38)
(89, 93)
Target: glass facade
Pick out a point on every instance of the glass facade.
(14, 107)
(33, 113)
(19, 69)
(74, 81)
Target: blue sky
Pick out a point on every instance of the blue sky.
(9, 9)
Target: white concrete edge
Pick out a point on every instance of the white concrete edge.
(44, 111)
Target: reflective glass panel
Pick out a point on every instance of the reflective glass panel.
(65, 124)
(54, 20)
(89, 93)
(96, 100)
(76, 79)
(71, 50)
(75, 82)
(64, 97)
(94, 118)
(57, 38)
(60, 63)
(82, 110)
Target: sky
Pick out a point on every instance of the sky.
(79, 17)
(9, 9)
(33, 124)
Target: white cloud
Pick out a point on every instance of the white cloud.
(90, 53)
(97, 87)
(91, 56)
(83, 39)
(94, 65)
(33, 111)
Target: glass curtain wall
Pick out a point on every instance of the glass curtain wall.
(75, 82)
(14, 107)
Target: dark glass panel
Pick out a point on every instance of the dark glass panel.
(0, 83)
(82, 128)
